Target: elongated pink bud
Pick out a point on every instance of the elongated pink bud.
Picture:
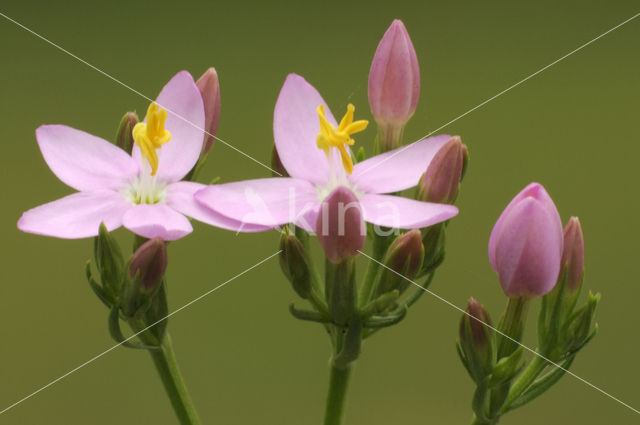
(441, 180)
(526, 243)
(394, 84)
(573, 253)
(340, 227)
(209, 87)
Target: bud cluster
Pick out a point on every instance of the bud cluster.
(533, 256)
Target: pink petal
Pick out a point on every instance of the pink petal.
(180, 197)
(156, 221)
(84, 161)
(536, 191)
(266, 202)
(398, 169)
(528, 249)
(403, 213)
(295, 127)
(76, 216)
(185, 121)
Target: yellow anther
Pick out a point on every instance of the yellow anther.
(330, 137)
(151, 135)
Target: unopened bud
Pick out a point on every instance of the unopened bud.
(295, 264)
(124, 137)
(209, 87)
(149, 263)
(394, 84)
(441, 180)
(109, 261)
(404, 258)
(340, 227)
(573, 254)
(476, 340)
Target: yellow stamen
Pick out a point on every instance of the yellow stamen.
(151, 135)
(330, 137)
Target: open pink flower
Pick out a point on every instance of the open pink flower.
(312, 148)
(141, 192)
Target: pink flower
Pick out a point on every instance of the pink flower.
(141, 191)
(312, 149)
(526, 242)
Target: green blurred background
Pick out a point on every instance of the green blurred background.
(573, 128)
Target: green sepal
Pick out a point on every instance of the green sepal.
(506, 368)
(109, 261)
(157, 313)
(97, 289)
(385, 321)
(381, 304)
(479, 400)
(463, 359)
(541, 385)
(116, 332)
(433, 240)
(307, 315)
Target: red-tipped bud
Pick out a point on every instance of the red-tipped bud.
(404, 256)
(149, 263)
(209, 87)
(124, 137)
(394, 84)
(573, 254)
(479, 332)
(441, 180)
(340, 227)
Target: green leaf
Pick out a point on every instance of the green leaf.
(116, 332)
(307, 315)
(106, 299)
(541, 384)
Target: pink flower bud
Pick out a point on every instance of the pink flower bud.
(210, 90)
(394, 84)
(573, 254)
(340, 227)
(441, 180)
(404, 256)
(526, 242)
(149, 262)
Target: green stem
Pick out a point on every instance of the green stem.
(523, 382)
(338, 383)
(165, 361)
(477, 421)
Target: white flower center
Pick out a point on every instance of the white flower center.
(145, 189)
(337, 177)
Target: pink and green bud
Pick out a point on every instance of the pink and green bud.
(149, 263)
(124, 137)
(340, 227)
(394, 84)
(573, 254)
(476, 343)
(404, 257)
(209, 87)
(441, 181)
(526, 243)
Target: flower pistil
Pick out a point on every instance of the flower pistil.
(330, 137)
(152, 135)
